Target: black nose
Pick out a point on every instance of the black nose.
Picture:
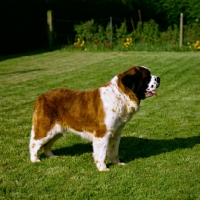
(158, 82)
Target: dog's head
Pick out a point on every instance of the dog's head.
(140, 81)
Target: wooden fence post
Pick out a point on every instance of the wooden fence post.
(110, 32)
(181, 30)
(50, 29)
(132, 24)
(139, 13)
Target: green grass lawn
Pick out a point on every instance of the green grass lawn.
(160, 145)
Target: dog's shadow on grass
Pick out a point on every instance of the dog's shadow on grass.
(76, 149)
(132, 148)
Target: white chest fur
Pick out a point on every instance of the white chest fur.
(118, 107)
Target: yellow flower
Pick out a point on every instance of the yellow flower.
(79, 42)
(127, 43)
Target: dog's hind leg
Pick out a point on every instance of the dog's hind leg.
(47, 146)
(47, 141)
(34, 147)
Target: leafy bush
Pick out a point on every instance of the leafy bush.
(192, 32)
(146, 37)
(121, 33)
(172, 34)
(151, 32)
(86, 30)
(100, 35)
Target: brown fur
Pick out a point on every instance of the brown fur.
(81, 111)
(126, 90)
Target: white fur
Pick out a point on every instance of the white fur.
(152, 84)
(84, 134)
(100, 146)
(118, 109)
(146, 68)
(54, 133)
(35, 145)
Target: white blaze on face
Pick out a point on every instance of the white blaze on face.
(153, 84)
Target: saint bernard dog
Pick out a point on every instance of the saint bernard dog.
(98, 115)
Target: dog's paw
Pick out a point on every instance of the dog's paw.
(104, 170)
(120, 163)
(35, 160)
(101, 166)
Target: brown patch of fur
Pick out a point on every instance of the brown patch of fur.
(81, 111)
(106, 84)
(125, 90)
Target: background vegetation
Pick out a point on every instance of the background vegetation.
(23, 22)
(146, 36)
(160, 145)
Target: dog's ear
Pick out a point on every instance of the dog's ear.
(132, 81)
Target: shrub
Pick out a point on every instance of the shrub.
(192, 32)
(121, 33)
(150, 32)
(146, 37)
(86, 30)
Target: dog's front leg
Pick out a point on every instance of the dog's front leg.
(100, 146)
(113, 146)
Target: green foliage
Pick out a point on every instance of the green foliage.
(192, 32)
(86, 30)
(151, 32)
(173, 33)
(172, 9)
(170, 38)
(108, 32)
(137, 35)
(93, 34)
(121, 33)
(100, 35)
(146, 36)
